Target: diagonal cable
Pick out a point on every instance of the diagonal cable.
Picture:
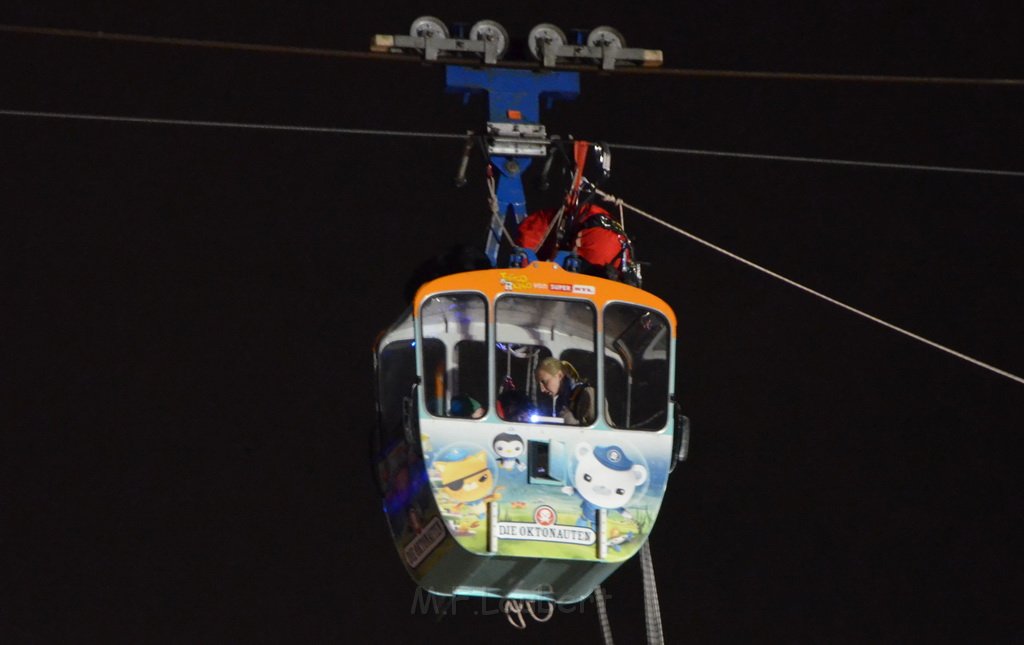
(817, 160)
(806, 289)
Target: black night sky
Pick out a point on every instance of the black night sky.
(189, 314)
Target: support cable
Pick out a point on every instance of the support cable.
(418, 58)
(812, 292)
(231, 124)
(445, 135)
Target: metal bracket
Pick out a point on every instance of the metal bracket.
(517, 139)
(492, 527)
(680, 436)
(515, 136)
(610, 57)
(432, 47)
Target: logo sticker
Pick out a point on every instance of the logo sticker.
(515, 281)
(584, 289)
(545, 516)
(424, 544)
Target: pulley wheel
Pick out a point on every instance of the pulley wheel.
(545, 32)
(428, 27)
(605, 36)
(490, 30)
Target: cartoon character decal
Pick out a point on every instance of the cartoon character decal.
(465, 476)
(467, 479)
(509, 447)
(605, 478)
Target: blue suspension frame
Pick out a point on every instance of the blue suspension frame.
(514, 97)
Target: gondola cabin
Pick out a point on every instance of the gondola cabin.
(489, 488)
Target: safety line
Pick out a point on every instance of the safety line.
(413, 58)
(444, 135)
(809, 290)
(818, 160)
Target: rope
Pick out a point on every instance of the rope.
(493, 199)
(652, 611)
(416, 58)
(817, 160)
(814, 293)
(513, 610)
(602, 616)
(579, 153)
(554, 222)
(531, 608)
(497, 219)
(445, 135)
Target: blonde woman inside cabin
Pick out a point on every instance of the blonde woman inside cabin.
(572, 398)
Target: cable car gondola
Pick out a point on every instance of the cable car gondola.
(494, 483)
(487, 491)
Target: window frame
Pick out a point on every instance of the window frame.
(450, 353)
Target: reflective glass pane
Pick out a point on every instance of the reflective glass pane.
(544, 361)
(396, 373)
(636, 367)
(454, 352)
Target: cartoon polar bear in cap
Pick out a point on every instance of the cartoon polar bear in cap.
(605, 478)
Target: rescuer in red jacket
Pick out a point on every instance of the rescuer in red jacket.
(590, 231)
(580, 226)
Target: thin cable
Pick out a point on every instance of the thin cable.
(814, 293)
(602, 616)
(818, 160)
(194, 42)
(444, 135)
(652, 610)
(230, 124)
(415, 58)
